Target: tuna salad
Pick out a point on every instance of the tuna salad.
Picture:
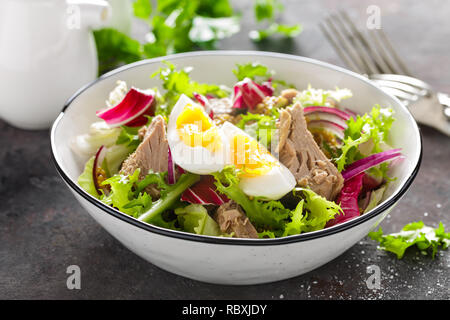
(259, 159)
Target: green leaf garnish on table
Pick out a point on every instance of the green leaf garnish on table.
(417, 234)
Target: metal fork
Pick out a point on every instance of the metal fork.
(372, 54)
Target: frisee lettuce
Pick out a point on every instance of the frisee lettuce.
(371, 129)
(123, 197)
(272, 218)
(177, 82)
(417, 234)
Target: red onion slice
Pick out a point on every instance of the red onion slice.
(371, 161)
(328, 110)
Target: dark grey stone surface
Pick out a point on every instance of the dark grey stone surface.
(43, 229)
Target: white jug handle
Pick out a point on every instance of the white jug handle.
(94, 14)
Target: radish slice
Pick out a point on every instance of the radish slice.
(130, 111)
(371, 161)
(341, 114)
(247, 93)
(204, 192)
(98, 160)
(333, 127)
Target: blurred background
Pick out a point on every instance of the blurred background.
(43, 229)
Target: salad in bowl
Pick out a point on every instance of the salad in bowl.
(260, 159)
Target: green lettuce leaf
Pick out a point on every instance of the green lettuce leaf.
(417, 234)
(194, 218)
(86, 181)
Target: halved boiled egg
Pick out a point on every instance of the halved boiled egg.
(261, 174)
(196, 143)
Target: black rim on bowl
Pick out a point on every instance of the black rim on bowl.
(218, 240)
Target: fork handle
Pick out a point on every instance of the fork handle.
(429, 111)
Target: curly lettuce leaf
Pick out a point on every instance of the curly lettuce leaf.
(265, 215)
(297, 223)
(371, 129)
(194, 218)
(177, 82)
(122, 195)
(317, 210)
(417, 234)
(272, 218)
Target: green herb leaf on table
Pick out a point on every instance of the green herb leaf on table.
(142, 9)
(206, 30)
(288, 31)
(115, 48)
(417, 234)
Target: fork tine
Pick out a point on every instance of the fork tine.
(338, 49)
(401, 94)
(374, 53)
(404, 79)
(359, 47)
(383, 53)
(401, 86)
(345, 44)
(393, 53)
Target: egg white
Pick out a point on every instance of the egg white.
(196, 159)
(272, 185)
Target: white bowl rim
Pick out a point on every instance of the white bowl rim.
(226, 240)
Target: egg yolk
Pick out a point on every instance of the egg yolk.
(250, 157)
(196, 129)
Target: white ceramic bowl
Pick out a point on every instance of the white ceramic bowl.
(228, 260)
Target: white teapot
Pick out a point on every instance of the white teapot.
(47, 52)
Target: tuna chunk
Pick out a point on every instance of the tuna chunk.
(151, 154)
(302, 156)
(231, 218)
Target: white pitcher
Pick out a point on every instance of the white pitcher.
(47, 52)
